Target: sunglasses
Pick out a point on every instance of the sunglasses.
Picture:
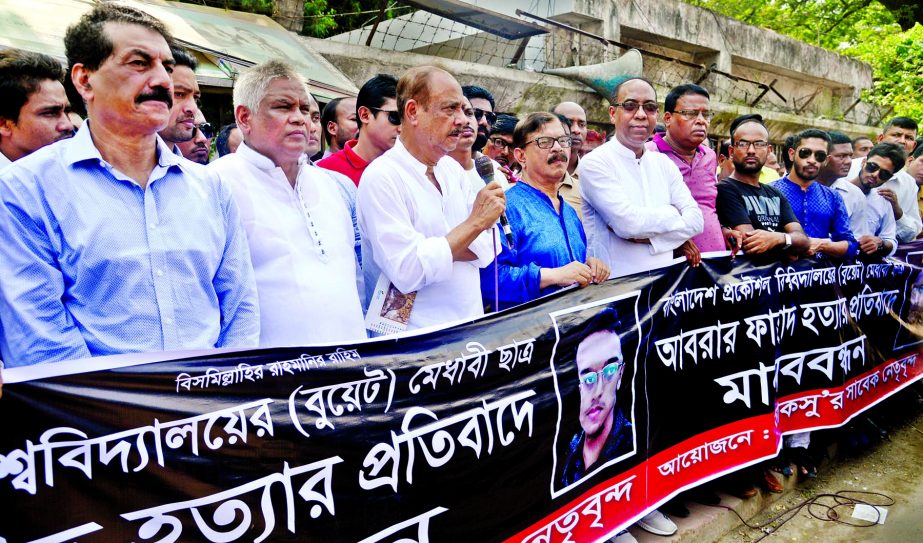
(883, 174)
(394, 117)
(630, 106)
(607, 373)
(693, 114)
(499, 143)
(804, 153)
(480, 114)
(206, 129)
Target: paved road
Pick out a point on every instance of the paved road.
(894, 467)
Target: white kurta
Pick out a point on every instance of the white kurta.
(302, 245)
(625, 198)
(404, 220)
(909, 225)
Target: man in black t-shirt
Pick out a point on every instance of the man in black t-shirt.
(759, 212)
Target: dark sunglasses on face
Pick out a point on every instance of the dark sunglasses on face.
(491, 116)
(394, 117)
(630, 106)
(205, 128)
(804, 153)
(883, 174)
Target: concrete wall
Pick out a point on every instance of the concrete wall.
(519, 92)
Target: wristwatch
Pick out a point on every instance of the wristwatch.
(788, 241)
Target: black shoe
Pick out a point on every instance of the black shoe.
(704, 496)
(675, 508)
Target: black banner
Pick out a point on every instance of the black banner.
(565, 419)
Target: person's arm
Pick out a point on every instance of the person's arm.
(601, 188)
(234, 281)
(485, 205)
(909, 225)
(36, 325)
(844, 243)
(692, 221)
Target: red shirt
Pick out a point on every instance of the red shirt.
(346, 162)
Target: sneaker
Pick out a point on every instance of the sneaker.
(623, 537)
(657, 523)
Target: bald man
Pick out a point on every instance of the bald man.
(426, 229)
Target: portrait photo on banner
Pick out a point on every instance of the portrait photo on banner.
(910, 334)
(594, 367)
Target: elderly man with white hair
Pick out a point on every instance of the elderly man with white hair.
(297, 221)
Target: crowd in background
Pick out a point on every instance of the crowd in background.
(120, 234)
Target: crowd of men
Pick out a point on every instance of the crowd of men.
(119, 236)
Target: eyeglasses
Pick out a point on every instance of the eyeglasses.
(547, 142)
(609, 371)
(883, 174)
(499, 143)
(804, 153)
(743, 145)
(394, 117)
(206, 129)
(491, 116)
(693, 114)
(630, 106)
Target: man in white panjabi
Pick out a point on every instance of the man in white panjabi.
(425, 226)
(298, 224)
(636, 207)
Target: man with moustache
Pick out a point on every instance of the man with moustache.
(198, 147)
(298, 224)
(549, 240)
(636, 207)
(425, 229)
(33, 104)
(464, 151)
(880, 236)
(819, 209)
(379, 126)
(570, 185)
(186, 95)
(687, 117)
(155, 257)
(499, 143)
(758, 211)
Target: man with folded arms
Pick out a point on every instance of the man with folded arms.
(113, 243)
(297, 221)
(636, 207)
(425, 226)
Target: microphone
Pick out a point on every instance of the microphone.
(485, 168)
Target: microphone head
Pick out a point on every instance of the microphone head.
(485, 168)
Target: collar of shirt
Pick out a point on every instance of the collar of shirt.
(623, 152)
(263, 162)
(4, 162)
(354, 160)
(666, 148)
(81, 148)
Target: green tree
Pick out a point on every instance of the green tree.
(863, 29)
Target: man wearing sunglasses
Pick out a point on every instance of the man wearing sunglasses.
(483, 103)
(879, 238)
(198, 147)
(186, 97)
(605, 432)
(636, 207)
(819, 209)
(379, 126)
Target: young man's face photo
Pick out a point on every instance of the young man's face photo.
(599, 367)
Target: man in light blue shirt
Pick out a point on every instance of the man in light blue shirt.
(110, 243)
(882, 162)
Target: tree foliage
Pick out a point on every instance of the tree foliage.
(863, 29)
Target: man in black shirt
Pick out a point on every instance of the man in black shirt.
(759, 212)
